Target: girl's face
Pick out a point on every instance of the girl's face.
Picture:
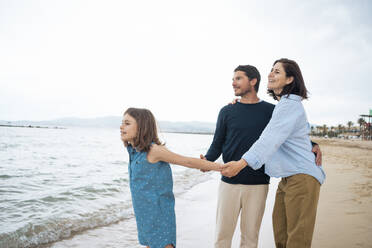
(278, 79)
(128, 129)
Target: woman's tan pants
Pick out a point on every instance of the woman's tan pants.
(295, 211)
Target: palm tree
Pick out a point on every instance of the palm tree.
(325, 129)
(361, 122)
(340, 128)
(349, 124)
(332, 133)
(318, 130)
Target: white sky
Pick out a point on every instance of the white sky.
(96, 58)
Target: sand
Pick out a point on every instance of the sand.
(196, 211)
(344, 216)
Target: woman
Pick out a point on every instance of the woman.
(285, 148)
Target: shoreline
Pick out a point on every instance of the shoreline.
(195, 216)
(30, 126)
(343, 218)
(196, 211)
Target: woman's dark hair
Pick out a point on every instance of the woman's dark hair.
(146, 129)
(297, 87)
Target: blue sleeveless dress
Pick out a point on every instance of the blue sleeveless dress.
(151, 186)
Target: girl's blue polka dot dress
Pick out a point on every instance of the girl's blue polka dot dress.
(151, 186)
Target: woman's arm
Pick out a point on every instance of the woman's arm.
(280, 127)
(161, 153)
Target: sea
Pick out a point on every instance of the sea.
(57, 183)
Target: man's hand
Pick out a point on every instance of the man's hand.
(316, 150)
(202, 157)
(235, 100)
(232, 168)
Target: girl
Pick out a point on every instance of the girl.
(150, 177)
(285, 148)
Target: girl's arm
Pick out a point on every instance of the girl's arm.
(161, 153)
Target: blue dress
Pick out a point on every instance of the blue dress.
(151, 186)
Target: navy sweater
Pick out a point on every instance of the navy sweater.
(238, 127)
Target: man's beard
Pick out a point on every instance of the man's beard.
(244, 92)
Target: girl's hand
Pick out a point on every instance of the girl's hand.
(220, 167)
(204, 158)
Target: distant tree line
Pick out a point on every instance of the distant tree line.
(341, 131)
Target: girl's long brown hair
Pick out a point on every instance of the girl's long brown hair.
(146, 129)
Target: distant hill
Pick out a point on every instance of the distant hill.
(114, 122)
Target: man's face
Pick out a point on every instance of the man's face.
(241, 84)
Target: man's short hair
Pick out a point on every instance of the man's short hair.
(251, 72)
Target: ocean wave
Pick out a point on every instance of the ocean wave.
(4, 146)
(54, 229)
(5, 176)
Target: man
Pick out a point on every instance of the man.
(238, 127)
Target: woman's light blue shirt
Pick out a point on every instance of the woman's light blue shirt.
(284, 146)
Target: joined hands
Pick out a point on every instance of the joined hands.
(229, 169)
(232, 168)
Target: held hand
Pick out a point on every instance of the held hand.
(220, 167)
(232, 168)
(204, 158)
(318, 159)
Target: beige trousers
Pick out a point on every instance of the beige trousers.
(235, 198)
(295, 211)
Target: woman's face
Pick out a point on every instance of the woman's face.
(278, 78)
(128, 129)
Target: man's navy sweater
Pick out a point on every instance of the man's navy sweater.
(238, 127)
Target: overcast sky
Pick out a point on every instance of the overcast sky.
(97, 58)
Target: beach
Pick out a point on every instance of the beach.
(344, 212)
(343, 220)
(345, 206)
(195, 211)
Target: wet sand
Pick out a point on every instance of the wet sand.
(195, 211)
(344, 212)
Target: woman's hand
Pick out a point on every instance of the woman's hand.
(232, 168)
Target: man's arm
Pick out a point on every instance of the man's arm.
(215, 149)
